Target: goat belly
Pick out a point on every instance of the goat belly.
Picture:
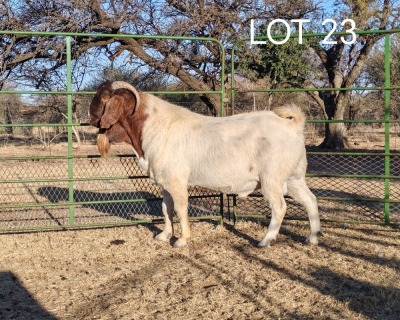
(237, 186)
(242, 191)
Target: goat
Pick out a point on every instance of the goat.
(236, 154)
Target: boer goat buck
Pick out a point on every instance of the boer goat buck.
(236, 154)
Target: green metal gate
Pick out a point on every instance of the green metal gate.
(75, 190)
(351, 186)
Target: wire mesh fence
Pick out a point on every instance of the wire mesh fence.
(47, 183)
(50, 185)
(36, 194)
(360, 183)
(351, 185)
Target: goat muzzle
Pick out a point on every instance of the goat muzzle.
(95, 122)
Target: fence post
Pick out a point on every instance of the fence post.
(223, 91)
(70, 150)
(387, 128)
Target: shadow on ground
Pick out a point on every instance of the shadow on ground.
(148, 203)
(16, 302)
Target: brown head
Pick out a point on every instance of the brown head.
(115, 110)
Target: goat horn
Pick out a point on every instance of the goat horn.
(124, 85)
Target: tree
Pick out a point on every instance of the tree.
(280, 66)
(148, 80)
(374, 74)
(10, 105)
(196, 64)
(343, 63)
(336, 65)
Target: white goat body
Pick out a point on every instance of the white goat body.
(236, 154)
(224, 154)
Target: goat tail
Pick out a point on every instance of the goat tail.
(293, 113)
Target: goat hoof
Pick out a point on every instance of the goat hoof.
(163, 237)
(265, 243)
(312, 239)
(180, 243)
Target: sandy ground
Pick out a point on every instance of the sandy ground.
(122, 273)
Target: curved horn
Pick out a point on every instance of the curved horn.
(124, 85)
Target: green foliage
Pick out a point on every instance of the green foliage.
(374, 72)
(284, 64)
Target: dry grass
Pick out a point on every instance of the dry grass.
(122, 273)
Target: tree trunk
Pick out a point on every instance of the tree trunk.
(335, 133)
(213, 103)
(8, 118)
(74, 130)
(335, 136)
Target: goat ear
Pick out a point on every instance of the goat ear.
(136, 106)
(112, 112)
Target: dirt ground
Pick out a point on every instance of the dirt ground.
(122, 273)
